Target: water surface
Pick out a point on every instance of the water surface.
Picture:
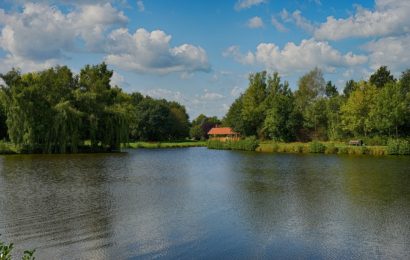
(199, 203)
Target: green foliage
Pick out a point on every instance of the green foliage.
(6, 251)
(54, 111)
(316, 111)
(247, 144)
(381, 77)
(349, 88)
(201, 126)
(398, 146)
(316, 147)
(331, 90)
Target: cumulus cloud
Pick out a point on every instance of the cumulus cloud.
(292, 57)
(389, 51)
(150, 52)
(41, 34)
(244, 4)
(389, 18)
(255, 22)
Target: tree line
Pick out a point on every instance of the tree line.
(377, 108)
(55, 111)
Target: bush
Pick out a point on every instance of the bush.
(316, 147)
(398, 146)
(247, 144)
(331, 149)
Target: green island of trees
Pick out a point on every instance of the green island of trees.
(57, 111)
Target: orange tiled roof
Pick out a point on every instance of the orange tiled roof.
(221, 131)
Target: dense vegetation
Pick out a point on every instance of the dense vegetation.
(55, 111)
(374, 110)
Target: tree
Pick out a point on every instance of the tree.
(55, 111)
(355, 112)
(381, 77)
(389, 109)
(179, 121)
(279, 107)
(152, 122)
(331, 90)
(349, 88)
(252, 112)
(201, 126)
(311, 88)
(405, 81)
(234, 116)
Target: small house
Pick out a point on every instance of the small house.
(223, 134)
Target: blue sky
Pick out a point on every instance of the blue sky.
(200, 53)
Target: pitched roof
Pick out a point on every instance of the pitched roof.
(221, 131)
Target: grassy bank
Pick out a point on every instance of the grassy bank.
(322, 147)
(247, 144)
(156, 145)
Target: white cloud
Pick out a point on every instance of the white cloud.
(211, 96)
(150, 52)
(297, 18)
(278, 25)
(117, 79)
(255, 22)
(390, 51)
(140, 6)
(308, 54)
(41, 34)
(234, 52)
(389, 18)
(244, 4)
(165, 93)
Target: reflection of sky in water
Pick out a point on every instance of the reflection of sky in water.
(203, 203)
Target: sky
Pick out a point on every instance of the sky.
(200, 53)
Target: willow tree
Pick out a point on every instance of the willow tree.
(104, 108)
(55, 111)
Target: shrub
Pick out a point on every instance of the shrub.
(331, 149)
(316, 147)
(398, 146)
(247, 144)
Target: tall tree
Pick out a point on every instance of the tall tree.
(331, 90)
(252, 103)
(311, 88)
(355, 112)
(349, 88)
(381, 77)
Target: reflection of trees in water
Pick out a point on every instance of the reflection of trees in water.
(309, 198)
(53, 204)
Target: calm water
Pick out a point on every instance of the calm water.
(199, 203)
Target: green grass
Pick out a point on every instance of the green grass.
(321, 147)
(156, 145)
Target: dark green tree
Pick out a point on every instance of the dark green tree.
(381, 77)
(349, 88)
(331, 90)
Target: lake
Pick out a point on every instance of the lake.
(200, 203)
